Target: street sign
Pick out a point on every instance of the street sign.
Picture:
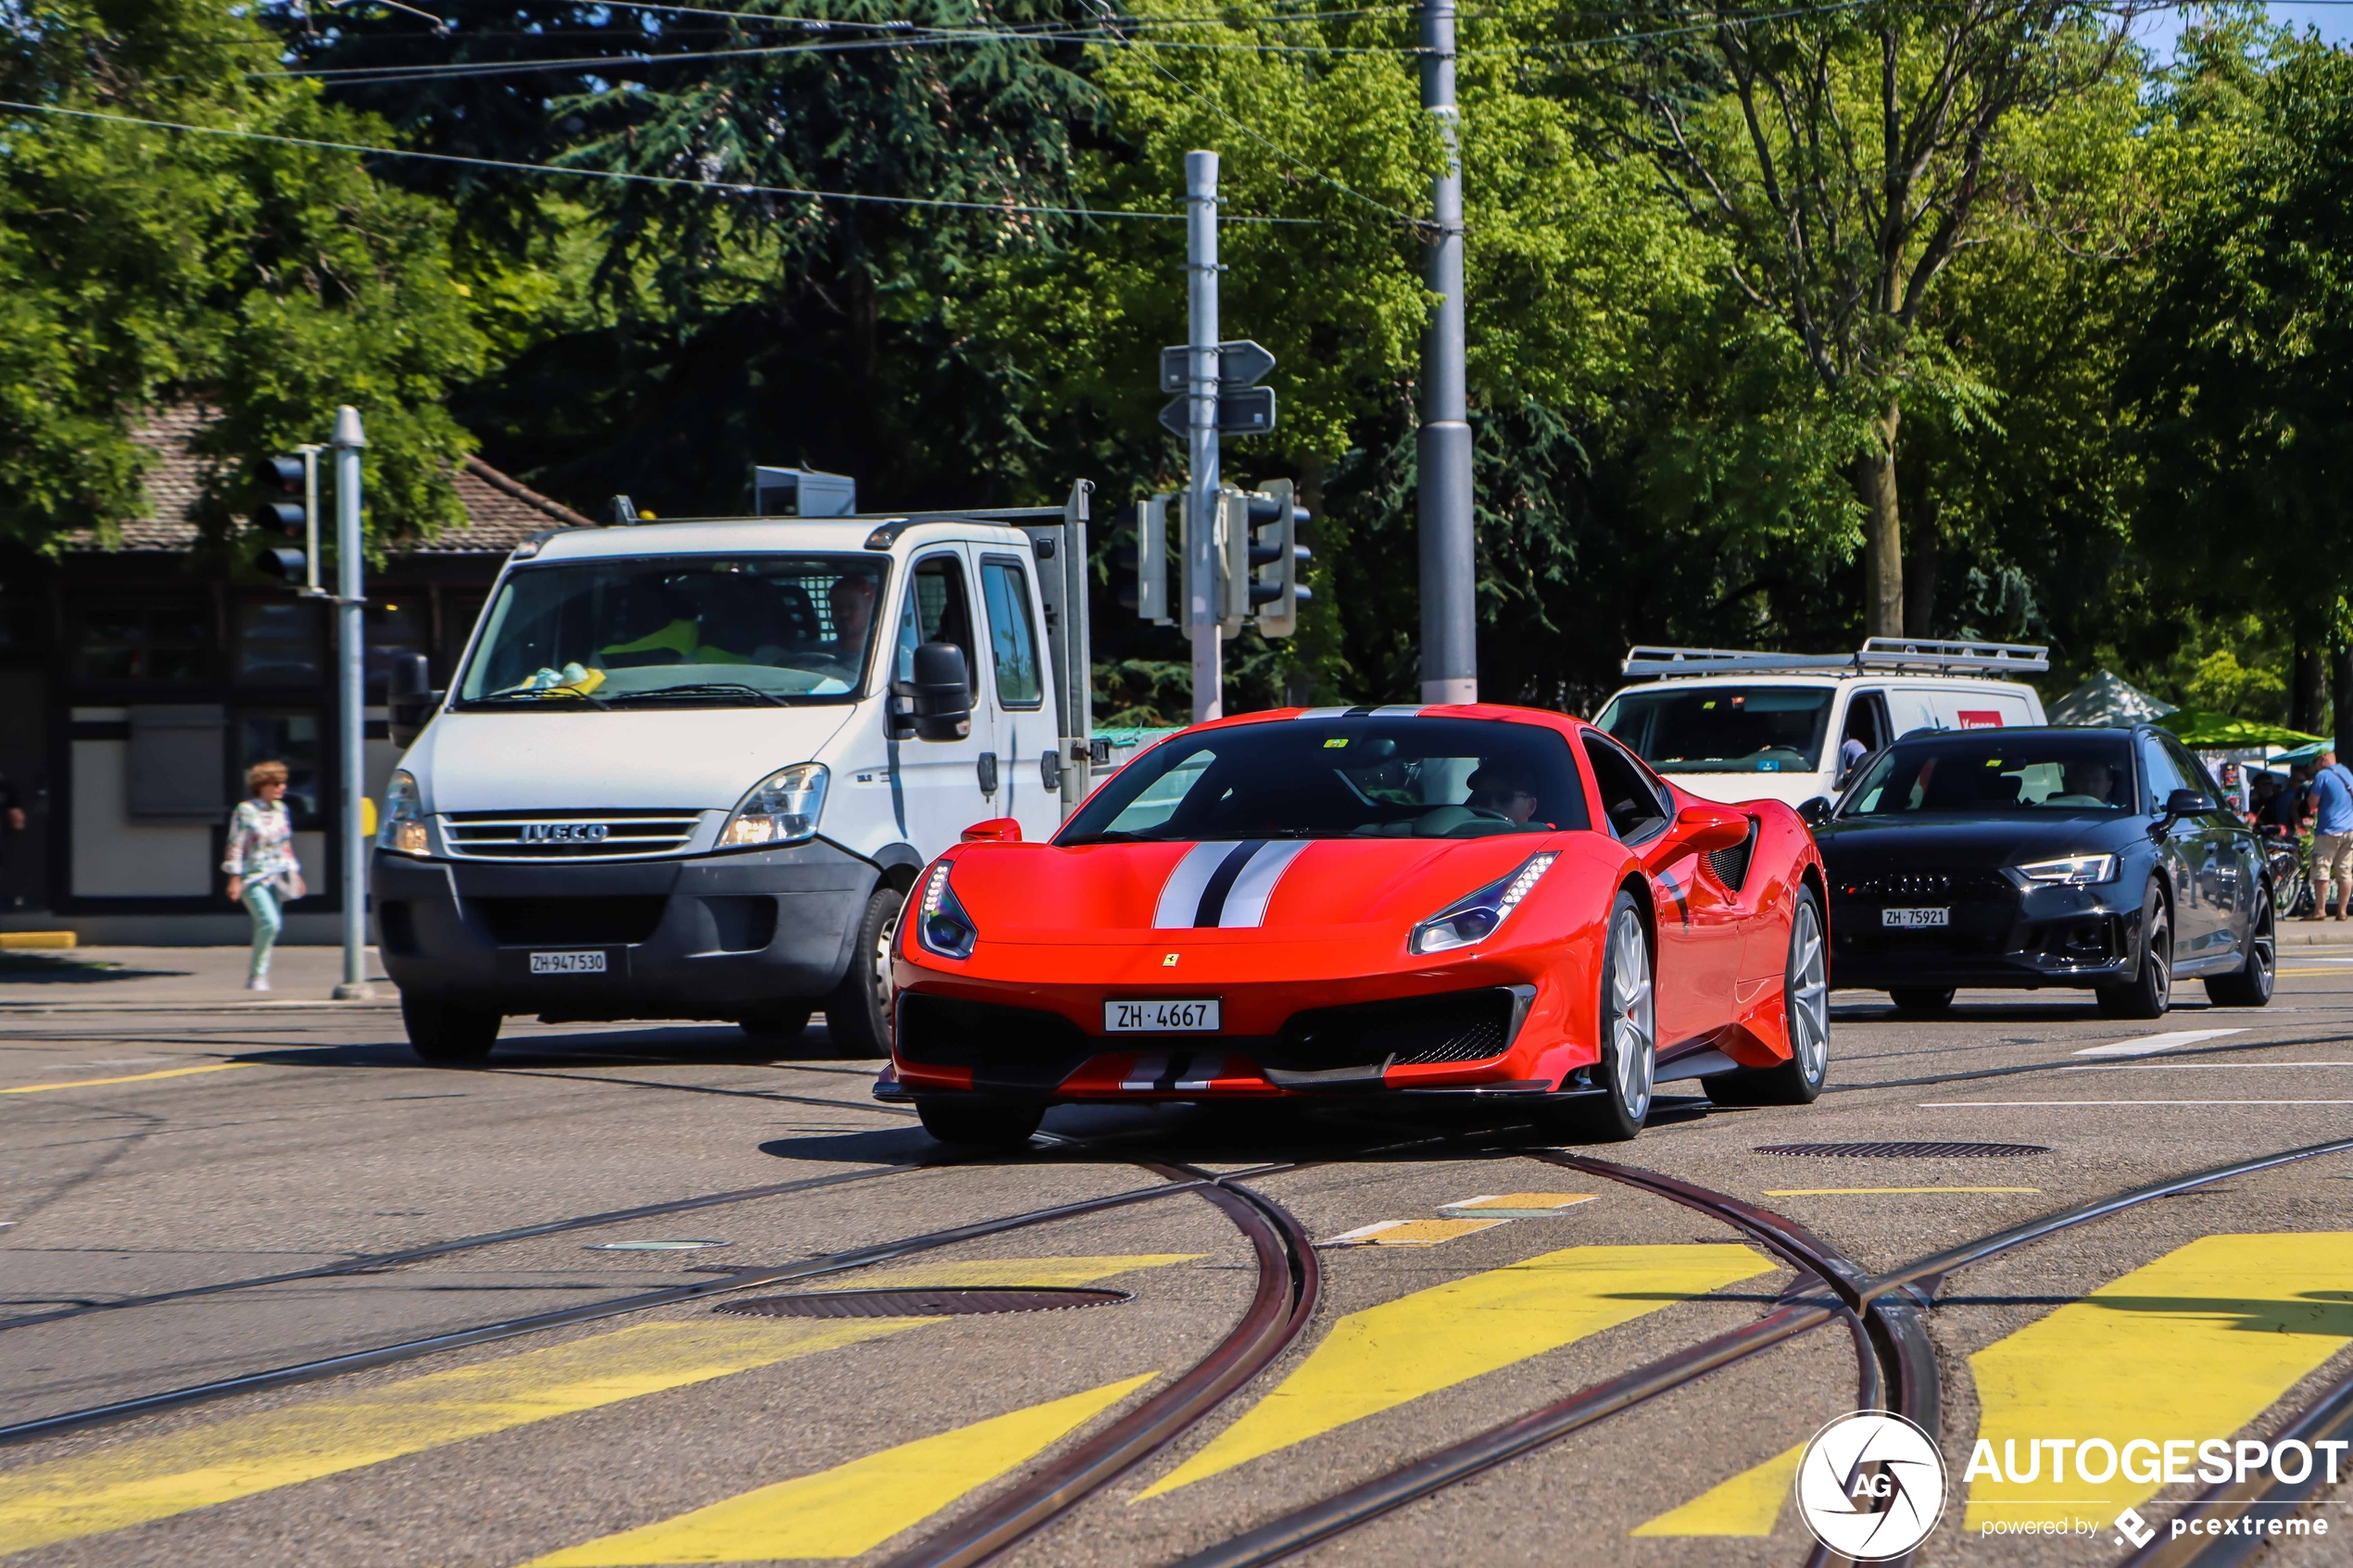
(1239, 364)
(1245, 410)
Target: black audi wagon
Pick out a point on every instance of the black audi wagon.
(2096, 857)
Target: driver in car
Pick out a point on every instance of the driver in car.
(1500, 786)
(2085, 782)
(851, 599)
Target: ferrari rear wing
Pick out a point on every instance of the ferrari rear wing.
(1881, 653)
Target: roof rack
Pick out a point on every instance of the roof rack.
(1876, 654)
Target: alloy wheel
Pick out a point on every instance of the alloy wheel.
(1809, 1014)
(1632, 1027)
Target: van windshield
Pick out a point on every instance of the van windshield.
(1716, 729)
(726, 630)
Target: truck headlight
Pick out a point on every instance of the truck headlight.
(781, 808)
(941, 924)
(403, 830)
(2068, 871)
(1476, 916)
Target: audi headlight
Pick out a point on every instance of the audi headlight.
(781, 808)
(941, 925)
(1477, 916)
(404, 826)
(2068, 871)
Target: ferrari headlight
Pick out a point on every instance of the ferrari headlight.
(1477, 916)
(781, 808)
(941, 925)
(404, 825)
(2068, 871)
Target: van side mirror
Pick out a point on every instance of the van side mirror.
(409, 697)
(1815, 811)
(938, 703)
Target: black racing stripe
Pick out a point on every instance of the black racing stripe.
(1363, 712)
(1221, 882)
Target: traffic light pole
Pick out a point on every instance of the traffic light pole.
(1449, 551)
(351, 650)
(1201, 606)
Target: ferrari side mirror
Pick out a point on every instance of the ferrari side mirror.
(1701, 830)
(996, 829)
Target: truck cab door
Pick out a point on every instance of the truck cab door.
(1013, 682)
(938, 782)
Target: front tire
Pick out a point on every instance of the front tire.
(2150, 991)
(1927, 1000)
(858, 1011)
(447, 1035)
(2251, 987)
(1002, 1125)
(1628, 1034)
(1805, 1011)
(776, 1027)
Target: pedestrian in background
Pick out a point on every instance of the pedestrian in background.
(263, 873)
(2331, 837)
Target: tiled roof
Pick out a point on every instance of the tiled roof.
(500, 511)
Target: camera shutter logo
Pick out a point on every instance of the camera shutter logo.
(1871, 1486)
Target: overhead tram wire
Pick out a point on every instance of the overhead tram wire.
(724, 187)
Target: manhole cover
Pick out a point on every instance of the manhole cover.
(1906, 1150)
(920, 1303)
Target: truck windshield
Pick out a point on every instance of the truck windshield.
(728, 631)
(1997, 775)
(1723, 729)
(1329, 778)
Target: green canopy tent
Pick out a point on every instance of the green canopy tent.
(2205, 730)
(2301, 754)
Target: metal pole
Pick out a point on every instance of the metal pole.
(1449, 553)
(351, 646)
(1202, 599)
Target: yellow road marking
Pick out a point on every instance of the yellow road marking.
(2192, 1346)
(155, 1477)
(129, 1078)
(1388, 1355)
(1516, 1205)
(1840, 1192)
(1748, 1504)
(1410, 1233)
(852, 1508)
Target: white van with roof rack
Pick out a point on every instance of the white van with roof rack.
(1734, 725)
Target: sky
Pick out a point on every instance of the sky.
(2334, 20)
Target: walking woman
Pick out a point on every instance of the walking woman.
(262, 871)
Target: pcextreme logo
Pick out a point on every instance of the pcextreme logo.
(1870, 1485)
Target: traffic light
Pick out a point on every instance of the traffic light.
(1145, 563)
(1264, 558)
(289, 510)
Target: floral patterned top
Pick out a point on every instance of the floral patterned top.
(262, 841)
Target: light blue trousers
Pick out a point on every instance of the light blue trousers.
(261, 902)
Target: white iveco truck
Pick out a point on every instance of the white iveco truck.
(691, 769)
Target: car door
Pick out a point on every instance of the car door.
(1866, 725)
(1014, 685)
(2180, 852)
(1699, 927)
(2225, 872)
(939, 780)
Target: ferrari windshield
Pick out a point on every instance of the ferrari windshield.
(1713, 729)
(732, 630)
(1997, 774)
(1405, 777)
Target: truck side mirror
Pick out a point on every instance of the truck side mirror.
(938, 703)
(409, 697)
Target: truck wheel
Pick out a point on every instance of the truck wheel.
(858, 1013)
(1001, 1124)
(448, 1036)
(776, 1027)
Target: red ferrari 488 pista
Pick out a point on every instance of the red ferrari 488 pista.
(1394, 901)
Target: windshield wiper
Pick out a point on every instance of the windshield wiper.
(549, 694)
(704, 688)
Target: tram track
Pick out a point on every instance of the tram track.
(1887, 1307)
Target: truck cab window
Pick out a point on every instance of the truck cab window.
(1004, 587)
(935, 611)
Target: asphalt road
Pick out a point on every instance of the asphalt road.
(164, 1149)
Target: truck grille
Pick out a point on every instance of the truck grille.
(568, 835)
